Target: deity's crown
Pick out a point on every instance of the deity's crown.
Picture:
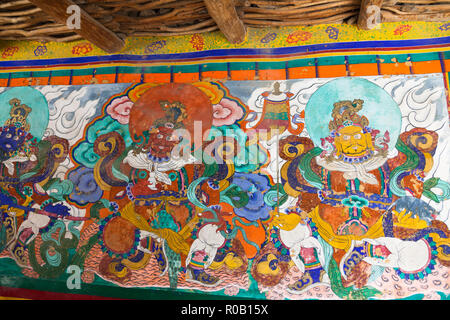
(175, 112)
(345, 113)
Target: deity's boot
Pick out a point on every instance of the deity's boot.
(200, 276)
(17, 250)
(353, 261)
(354, 256)
(8, 227)
(311, 278)
(158, 251)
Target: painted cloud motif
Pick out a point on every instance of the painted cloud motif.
(119, 109)
(226, 112)
(86, 190)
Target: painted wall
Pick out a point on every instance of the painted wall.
(310, 170)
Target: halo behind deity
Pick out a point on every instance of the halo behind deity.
(379, 108)
(148, 108)
(38, 118)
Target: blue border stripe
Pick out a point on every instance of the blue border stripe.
(347, 65)
(286, 70)
(218, 53)
(378, 64)
(441, 58)
(143, 74)
(411, 70)
(116, 77)
(316, 67)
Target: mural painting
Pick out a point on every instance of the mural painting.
(294, 189)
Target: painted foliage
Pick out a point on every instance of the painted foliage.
(297, 189)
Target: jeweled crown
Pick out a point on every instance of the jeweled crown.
(345, 113)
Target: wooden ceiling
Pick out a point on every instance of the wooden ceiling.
(107, 23)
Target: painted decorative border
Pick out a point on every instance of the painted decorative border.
(268, 53)
(257, 38)
(273, 58)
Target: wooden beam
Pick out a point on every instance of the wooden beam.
(90, 29)
(227, 19)
(369, 14)
(388, 16)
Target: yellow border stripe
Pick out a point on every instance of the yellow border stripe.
(225, 60)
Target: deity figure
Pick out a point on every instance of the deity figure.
(15, 136)
(154, 200)
(359, 196)
(353, 171)
(31, 197)
(155, 154)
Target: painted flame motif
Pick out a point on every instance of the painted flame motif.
(402, 29)
(297, 36)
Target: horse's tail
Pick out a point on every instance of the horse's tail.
(443, 248)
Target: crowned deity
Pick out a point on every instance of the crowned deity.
(15, 137)
(362, 182)
(353, 169)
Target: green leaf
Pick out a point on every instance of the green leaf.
(431, 183)
(431, 195)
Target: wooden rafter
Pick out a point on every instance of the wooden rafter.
(113, 19)
(90, 29)
(227, 19)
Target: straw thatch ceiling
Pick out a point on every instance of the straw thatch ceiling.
(106, 23)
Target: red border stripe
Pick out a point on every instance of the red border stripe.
(46, 295)
(221, 58)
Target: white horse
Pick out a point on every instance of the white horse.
(409, 256)
(32, 224)
(35, 221)
(296, 234)
(298, 238)
(208, 240)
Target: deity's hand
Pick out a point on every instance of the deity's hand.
(287, 221)
(15, 212)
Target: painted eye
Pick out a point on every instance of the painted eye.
(346, 137)
(159, 136)
(16, 138)
(8, 135)
(169, 138)
(169, 125)
(357, 136)
(8, 146)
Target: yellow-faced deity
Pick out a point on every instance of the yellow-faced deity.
(352, 141)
